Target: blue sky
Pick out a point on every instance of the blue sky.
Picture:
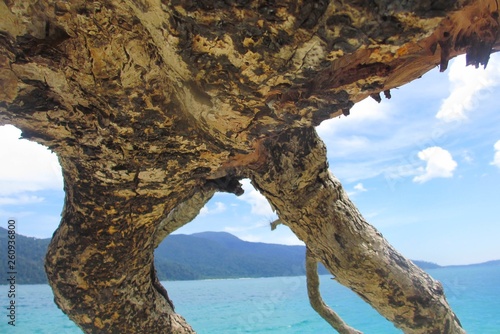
(422, 167)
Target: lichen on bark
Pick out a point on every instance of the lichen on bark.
(152, 106)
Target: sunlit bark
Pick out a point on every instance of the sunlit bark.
(153, 105)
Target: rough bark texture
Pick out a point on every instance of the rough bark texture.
(150, 104)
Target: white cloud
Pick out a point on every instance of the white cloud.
(393, 175)
(440, 163)
(496, 157)
(351, 144)
(467, 157)
(219, 208)
(261, 232)
(362, 113)
(359, 187)
(467, 83)
(238, 230)
(375, 139)
(384, 139)
(285, 238)
(259, 204)
(20, 199)
(25, 165)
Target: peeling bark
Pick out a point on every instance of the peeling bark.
(152, 105)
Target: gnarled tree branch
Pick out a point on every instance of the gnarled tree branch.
(275, 224)
(183, 214)
(309, 200)
(317, 302)
(189, 209)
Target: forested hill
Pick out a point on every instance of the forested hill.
(180, 257)
(30, 254)
(222, 255)
(187, 257)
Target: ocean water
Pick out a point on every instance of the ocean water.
(275, 305)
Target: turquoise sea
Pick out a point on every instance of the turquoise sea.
(275, 305)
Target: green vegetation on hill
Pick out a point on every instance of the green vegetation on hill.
(222, 255)
(182, 257)
(30, 254)
(188, 257)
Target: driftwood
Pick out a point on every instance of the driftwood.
(151, 106)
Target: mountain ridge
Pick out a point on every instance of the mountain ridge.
(202, 255)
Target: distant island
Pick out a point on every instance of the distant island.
(206, 255)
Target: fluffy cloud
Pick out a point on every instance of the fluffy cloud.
(467, 83)
(26, 166)
(258, 203)
(359, 187)
(377, 138)
(219, 208)
(496, 158)
(439, 161)
(363, 114)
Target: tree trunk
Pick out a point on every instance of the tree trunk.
(100, 260)
(152, 106)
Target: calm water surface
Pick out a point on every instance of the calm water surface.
(276, 305)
